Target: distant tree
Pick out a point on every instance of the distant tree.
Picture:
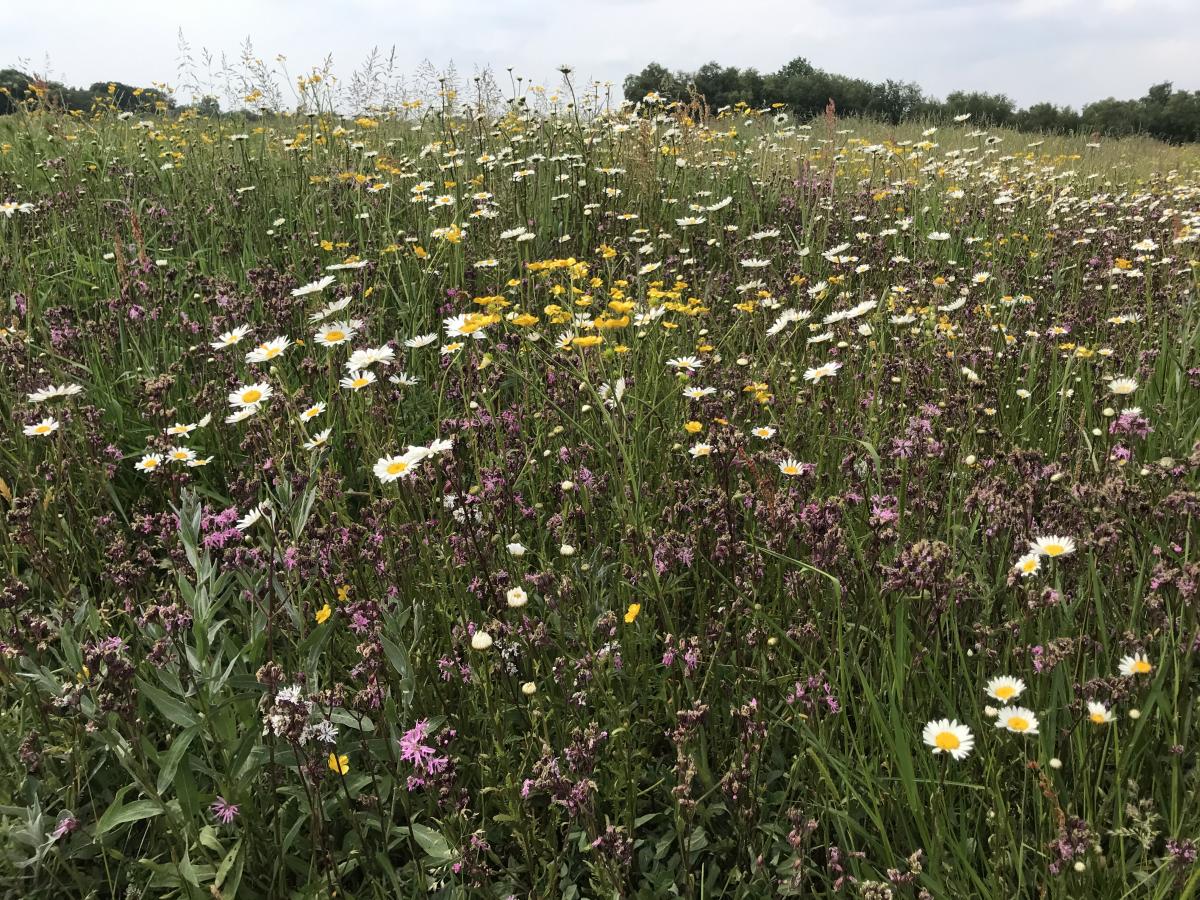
(800, 85)
(1170, 114)
(209, 106)
(1112, 117)
(20, 86)
(1047, 117)
(14, 87)
(984, 108)
(654, 78)
(895, 101)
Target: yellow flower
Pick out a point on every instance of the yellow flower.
(339, 764)
(323, 614)
(631, 614)
(692, 427)
(343, 593)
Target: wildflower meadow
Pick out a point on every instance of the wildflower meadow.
(569, 497)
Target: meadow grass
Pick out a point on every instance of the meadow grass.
(629, 491)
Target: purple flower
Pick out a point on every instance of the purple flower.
(224, 811)
(413, 749)
(66, 825)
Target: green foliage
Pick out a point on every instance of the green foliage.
(18, 89)
(1164, 113)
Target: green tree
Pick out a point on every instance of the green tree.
(14, 88)
(209, 106)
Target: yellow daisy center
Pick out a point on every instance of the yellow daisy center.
(252, 396)
(41, 429)
(150, 463)
(1005, 691)
(1098, 718)
(790, 470)
(1054, 549)
(332, 336)
(1141, 666)
(1030, 565)
(947, 740)
(1018, 723)
(397, 468)
(272, 352)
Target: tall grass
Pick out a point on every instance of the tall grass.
(719, 681)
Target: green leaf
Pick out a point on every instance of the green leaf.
(174, 710)
(432, 843)
(223, 870)
(169, 761)
(123, 814)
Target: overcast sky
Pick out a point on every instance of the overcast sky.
(1066, 51)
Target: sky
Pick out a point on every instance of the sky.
(1064, 51)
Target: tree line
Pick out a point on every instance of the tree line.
(1164, 112)
(17, 87)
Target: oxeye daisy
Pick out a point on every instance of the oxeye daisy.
(43, 428)
(149, 462)
(314, 287)
(699, 393)
(1017, 719)
(229, 338)
(393, 468)
(699, 450)
(1137, 664)
(1028, 564)
(1053, 545)
(253, 516)
(466, 325)
(1099, 714)
(181, 454)
(763, 431)
(1122, 386)
(251, 395)
(356, 381)
(826, 371)
(1005, 688)
(336, 333)
(312, 412)
(318, 440)
(242, 414)
(421, 340)
(948, 736)
(269, 350)
(516, 597)
(363, 359)
(51, 391)
(792, 467)
(689, 363)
